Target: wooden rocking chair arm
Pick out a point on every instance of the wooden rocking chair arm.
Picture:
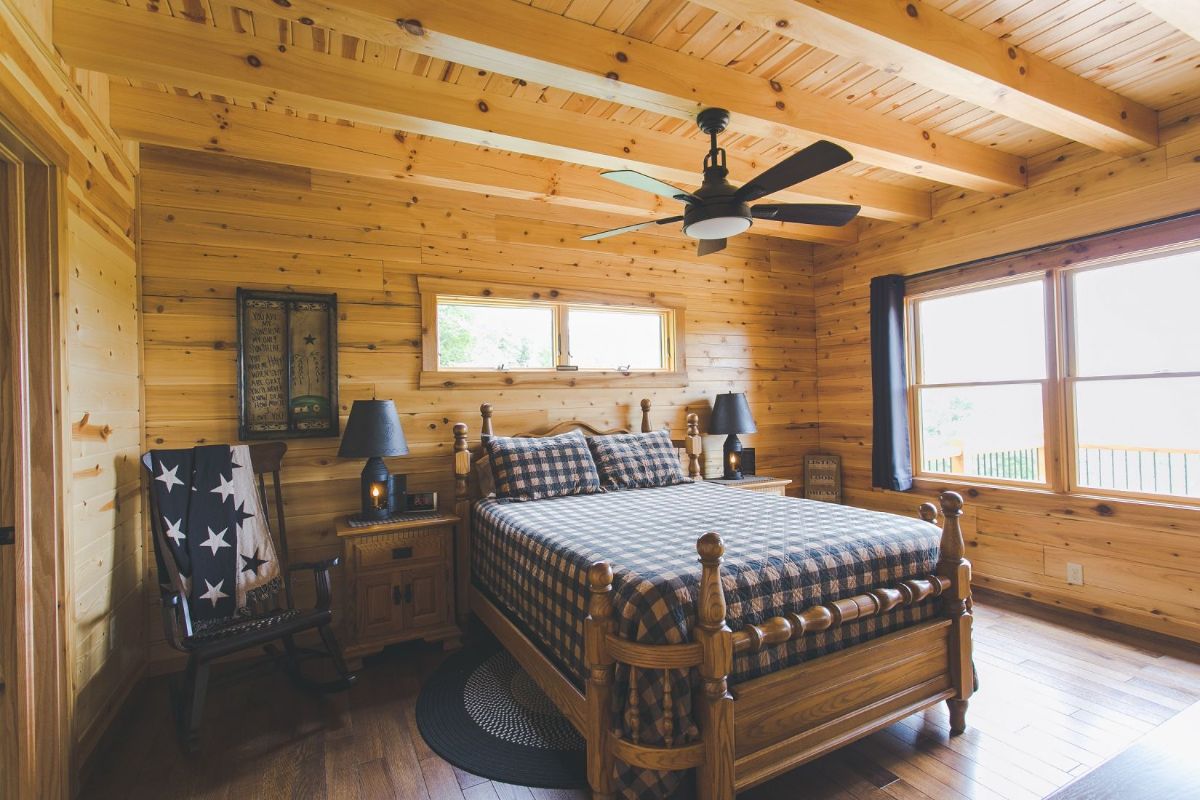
(320, 570)
(316, 566)
(174, 610)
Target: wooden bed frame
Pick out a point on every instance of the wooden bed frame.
(768, 725)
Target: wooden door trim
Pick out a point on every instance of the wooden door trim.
(41, 446)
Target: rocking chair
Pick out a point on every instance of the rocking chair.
(281, 623)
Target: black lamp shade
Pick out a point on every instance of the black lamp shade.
(373, 430)
(731, 414)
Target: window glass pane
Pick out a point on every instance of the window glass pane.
(1139, 435)
(607, 339)
(996, 334)
(1139, 318)
(984, 431)
(474, 336)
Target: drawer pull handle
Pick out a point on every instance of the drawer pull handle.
(401, 552)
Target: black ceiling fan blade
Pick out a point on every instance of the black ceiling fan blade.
(813, 160)
(591, 237)
(637, 180)
(808, 213)
(707, 246)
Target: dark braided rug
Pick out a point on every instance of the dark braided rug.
(482, 713)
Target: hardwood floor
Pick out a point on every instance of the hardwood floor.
(1055, 702)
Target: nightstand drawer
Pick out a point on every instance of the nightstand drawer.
(396, 549)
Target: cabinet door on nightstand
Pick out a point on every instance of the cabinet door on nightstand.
(425, 593)
(378, 612)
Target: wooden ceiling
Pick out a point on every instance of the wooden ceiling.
(530, 100)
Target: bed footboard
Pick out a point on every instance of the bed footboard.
(808, 714)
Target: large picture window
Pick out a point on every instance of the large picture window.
(1078, 378)
(473, 334)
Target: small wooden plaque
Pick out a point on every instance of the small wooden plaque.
(287, 364)
(823, 477)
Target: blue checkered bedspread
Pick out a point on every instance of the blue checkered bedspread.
(781, 554)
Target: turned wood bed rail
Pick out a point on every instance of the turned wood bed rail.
(903, 672)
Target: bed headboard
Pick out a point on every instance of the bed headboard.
(466, 483)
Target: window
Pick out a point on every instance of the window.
(472, 334)
(980, 377)
(1078, 378)
(1134, 376)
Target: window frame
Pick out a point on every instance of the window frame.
(914, 372)
(1056, 266)
(671, 307)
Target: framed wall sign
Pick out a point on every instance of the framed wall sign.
(823, 477)
(287, 365)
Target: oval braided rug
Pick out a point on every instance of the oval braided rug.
(482, 713)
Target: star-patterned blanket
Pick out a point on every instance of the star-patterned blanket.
(216, 530)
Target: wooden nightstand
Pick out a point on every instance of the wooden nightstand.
(401, 583)
(756, 483)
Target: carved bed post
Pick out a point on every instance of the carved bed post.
(485, 428)
(694, 445)
(957, 608)
(597, 627)
(645, 415)
(714, 703)
(462, 532)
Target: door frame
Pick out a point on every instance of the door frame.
(34, 185)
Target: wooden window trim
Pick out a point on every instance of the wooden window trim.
(1057, 263)
(674, 331)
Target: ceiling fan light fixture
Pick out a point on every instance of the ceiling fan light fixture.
(717, 227)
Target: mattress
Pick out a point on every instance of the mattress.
(781, 554)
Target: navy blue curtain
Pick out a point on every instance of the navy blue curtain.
(891, 453)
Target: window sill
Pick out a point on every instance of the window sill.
(972, 489)
(498, 379)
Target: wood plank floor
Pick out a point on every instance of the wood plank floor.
(1055, 702)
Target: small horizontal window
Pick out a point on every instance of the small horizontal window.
(494, 336)
(505, 334)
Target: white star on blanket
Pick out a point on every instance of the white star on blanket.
(168, 477)
(215, 541)
(214, 593)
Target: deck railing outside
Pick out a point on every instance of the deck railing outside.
(1123, 468)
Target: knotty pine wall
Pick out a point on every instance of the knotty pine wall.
(1141, 561)
(212, 223)
(103, 546)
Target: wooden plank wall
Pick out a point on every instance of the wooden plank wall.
(1141, 561)
(69, 108)
(211, 223)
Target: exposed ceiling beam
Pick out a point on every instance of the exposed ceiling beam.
(189, 123)
(1183, 15)
(934, 49)
(517, 39)
(143, 45)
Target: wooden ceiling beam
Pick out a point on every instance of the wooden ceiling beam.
(513, 38)
(135, 43)
(1183, 15)
(929, 47)
(190, 123)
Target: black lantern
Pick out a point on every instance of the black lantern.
(731, 415)
(372, 432)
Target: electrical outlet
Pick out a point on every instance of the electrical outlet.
(1075, 574)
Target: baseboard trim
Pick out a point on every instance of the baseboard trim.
(1175, 646)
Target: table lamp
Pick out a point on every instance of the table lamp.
(731, 415)
(372, 432)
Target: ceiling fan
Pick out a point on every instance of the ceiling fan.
(718, 210)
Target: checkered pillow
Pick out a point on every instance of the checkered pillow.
(637, 460)
(553, 466)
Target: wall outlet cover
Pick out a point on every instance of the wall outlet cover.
(1074, 574)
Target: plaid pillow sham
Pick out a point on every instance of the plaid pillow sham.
(533, 469)
(637, 460)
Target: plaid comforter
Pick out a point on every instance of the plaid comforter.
(781, 554)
